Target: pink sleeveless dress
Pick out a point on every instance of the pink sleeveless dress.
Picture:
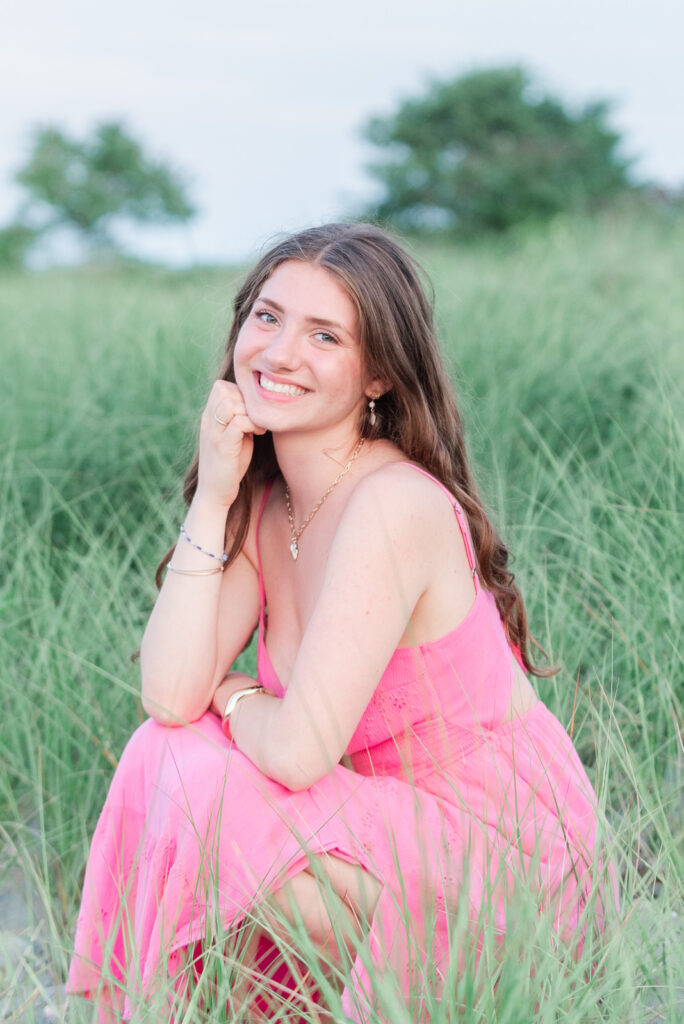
(444, 803)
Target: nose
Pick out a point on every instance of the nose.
(282, 351)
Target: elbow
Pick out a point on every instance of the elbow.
(166, 710)
(171, 694)
(280, 748)
(295, 771)
(161, 715)
(294, 780)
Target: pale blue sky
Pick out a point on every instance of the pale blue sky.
(261, 104)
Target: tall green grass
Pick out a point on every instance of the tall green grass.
(567, 349)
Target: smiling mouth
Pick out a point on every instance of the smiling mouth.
(280, 389)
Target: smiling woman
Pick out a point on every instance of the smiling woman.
(390, 770)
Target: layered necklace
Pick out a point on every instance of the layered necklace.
(296, 533)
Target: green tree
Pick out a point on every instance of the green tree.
(90, 184)
(15, 242)
(486, 151)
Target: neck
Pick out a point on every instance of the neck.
(310, 463)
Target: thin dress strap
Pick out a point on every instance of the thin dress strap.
(465, 532)
(460, 516)
(262, 591)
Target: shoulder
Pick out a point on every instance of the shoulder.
(404, 488)
(401, 503)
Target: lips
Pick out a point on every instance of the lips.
(278, 388)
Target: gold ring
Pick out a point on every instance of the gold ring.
(224, 423)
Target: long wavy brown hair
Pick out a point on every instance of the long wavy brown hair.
(417, 413)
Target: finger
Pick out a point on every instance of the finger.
(241, 423)
(220, 388)
(224, 391)
(256, 429)
(222, 412)
(222, 417)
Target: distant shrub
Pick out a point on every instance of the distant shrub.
(487, 151)
(15, 242)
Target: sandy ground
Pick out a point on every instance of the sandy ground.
(29, 992)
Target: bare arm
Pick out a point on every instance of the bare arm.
(200, 624)
(381, 562)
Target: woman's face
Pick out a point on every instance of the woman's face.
(297, 358)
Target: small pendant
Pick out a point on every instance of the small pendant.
(294, 550)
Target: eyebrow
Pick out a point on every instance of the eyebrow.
(309, 319)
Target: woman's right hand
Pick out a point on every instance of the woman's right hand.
(224, 451)
(181, 651)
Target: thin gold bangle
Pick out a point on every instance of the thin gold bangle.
(194, 572)
(236, 697)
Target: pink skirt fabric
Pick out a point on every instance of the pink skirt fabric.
(192, 835)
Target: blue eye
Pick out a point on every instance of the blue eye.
(265, 316)
(329, 339)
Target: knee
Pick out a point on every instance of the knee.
(358, 888)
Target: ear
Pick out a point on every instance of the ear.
(377, 388)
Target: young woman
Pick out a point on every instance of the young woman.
(391, 764)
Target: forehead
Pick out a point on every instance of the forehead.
(311, 292)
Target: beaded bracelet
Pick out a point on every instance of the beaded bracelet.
(219, 558)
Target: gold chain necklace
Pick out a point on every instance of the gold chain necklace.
(296, 533)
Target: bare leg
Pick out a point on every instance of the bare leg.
(327, 917)
(356, 887)
(333, 901)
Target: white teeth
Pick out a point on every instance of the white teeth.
(281, 389)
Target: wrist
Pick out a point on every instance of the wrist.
(202, 534)
(230, 684)
(234, 701)
(211, 502)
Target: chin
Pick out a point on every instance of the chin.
(274, 420)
